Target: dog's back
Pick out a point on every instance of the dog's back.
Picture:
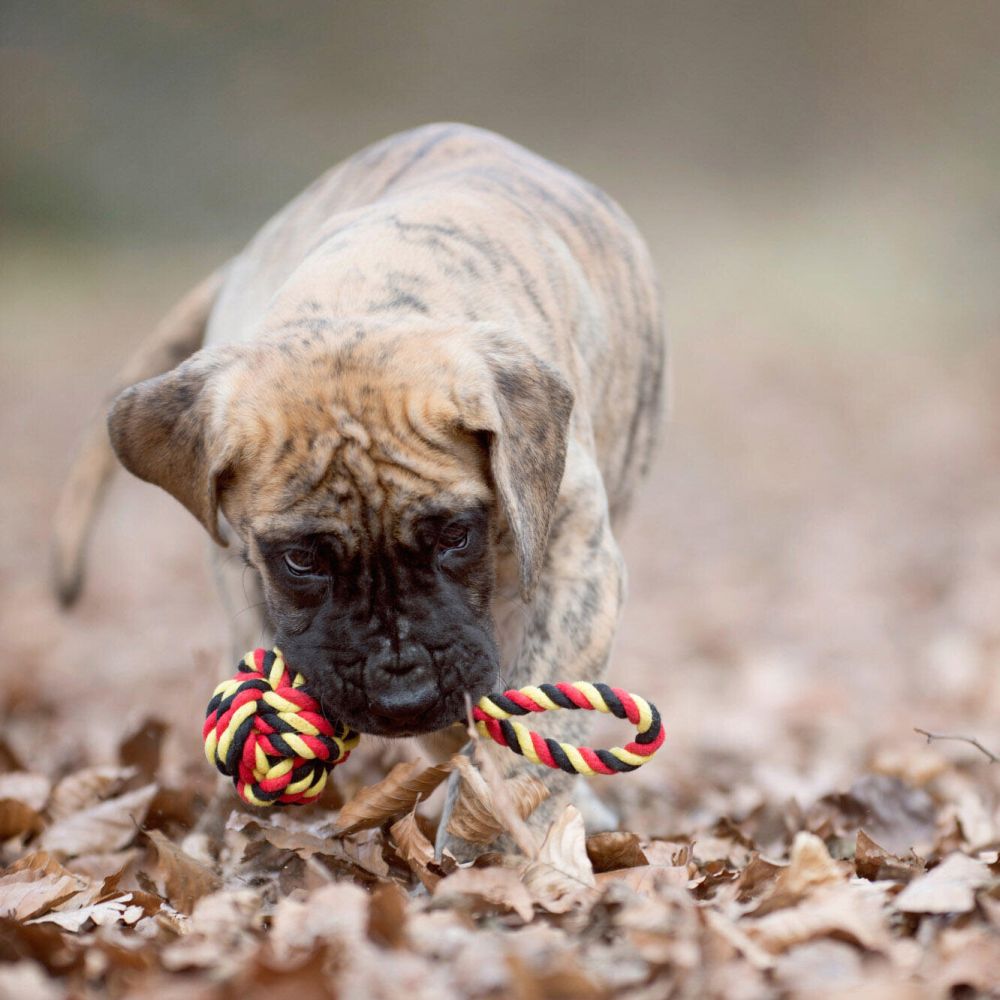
(457, 224)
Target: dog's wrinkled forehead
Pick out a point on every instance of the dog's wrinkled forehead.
(343, 447)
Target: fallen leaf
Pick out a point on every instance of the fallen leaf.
(9, 761)
(185, 879)
(482, 890)
(106, 826)
(100, 866)
(484, 773)
(217, 934)
(969, 961)
(112, 911)
(809, 867)
(561, 878)
(875, 863)
(30, 893)
(474, 815)
(387, 916)
(392, 797)
(140, 750)
(284, 831)
(25, 786)
(39, 861)
(85, 788)
(17, 818)
(898, 816)
(333, 913)
(948, 888)
(756, 876)
(25, 979)
(842, 911)
(645, 879)
(418, 852)
(608, 851)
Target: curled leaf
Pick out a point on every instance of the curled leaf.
(392, 797)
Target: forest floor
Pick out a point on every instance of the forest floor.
(814, 573)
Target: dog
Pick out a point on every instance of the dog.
(418, 403)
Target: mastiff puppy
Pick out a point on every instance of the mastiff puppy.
(418, 404)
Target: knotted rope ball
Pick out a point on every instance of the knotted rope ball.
(271, 737)
(267, 733)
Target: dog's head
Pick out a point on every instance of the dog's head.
(370, 474)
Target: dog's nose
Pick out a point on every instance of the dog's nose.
(405, 703)
(407, 657)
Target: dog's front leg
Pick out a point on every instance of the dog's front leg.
(566, 634)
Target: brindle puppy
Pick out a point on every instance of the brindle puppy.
(423, 397)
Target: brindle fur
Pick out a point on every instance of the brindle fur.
(443, 321)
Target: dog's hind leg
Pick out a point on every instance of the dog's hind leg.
(177, 337)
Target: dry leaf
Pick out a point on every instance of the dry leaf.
(333, 913)
(106, 826)
(25, 979)
(949, 888)
(30, 893)
(608, 851)
(810, 867)
(17, 818)
(854, 912)
(361, 853)
(504, 808)
(185, 879)
(875, 863)
(482, 890)
(111, 911)
(387, 916)
(31, 789)
(282, 830)
(140, 750)
(217, 934)
(758, 874)
(85, 788)
(473, 816)
(646, 879)
(394, 796)
(561, 878)
(418, 852)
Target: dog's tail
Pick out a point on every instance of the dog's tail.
(177, 337)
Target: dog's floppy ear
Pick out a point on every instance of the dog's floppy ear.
(162, 431)
(525, 410)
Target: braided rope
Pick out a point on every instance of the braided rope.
(493, 718)
(270, 736)
(266, 733)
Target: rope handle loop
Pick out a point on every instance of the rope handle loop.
(494, 717)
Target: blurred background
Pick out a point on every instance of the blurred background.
(815, 563)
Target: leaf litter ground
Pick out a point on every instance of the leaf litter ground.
(815, 571)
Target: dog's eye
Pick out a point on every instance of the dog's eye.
(453, 536)
(303, 562)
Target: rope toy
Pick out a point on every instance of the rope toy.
(270, 736)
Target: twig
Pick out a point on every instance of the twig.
(992, 757)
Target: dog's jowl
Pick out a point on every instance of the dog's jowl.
(419, 403)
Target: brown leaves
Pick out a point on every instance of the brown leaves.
(948, 888)
(30, 893)
(561, 877)
(609, 851)
(476, 816)
(356, 903)
(395, 795)
(185, 880)
(106, 826)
